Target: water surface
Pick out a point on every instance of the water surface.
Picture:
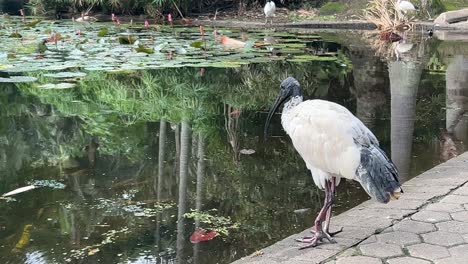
(138, 150)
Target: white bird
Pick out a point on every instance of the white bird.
(402, 47)
(269, 11)
(334, 144)
(405, 6)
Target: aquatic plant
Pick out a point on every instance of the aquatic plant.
(384, 14)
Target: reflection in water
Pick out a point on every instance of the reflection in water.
(183, 178)
(117, 187)
(199, 191)
(370, 84)
(231, 123)
(457, 106)
(161, 158)
(404, 82)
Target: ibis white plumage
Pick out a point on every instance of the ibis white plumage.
(334, 144)
(269, 11)
(405, 6)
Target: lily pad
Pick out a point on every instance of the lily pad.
(57, 86)
(18, 79)
(65, 74)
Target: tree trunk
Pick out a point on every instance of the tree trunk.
(370, 84)
(161, 158)
(404, 82)
(199, 195)
(457, 97)
(183, 176)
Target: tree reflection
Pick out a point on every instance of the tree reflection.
(43, 134)
(457, 106)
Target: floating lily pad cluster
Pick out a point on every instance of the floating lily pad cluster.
(69, 49)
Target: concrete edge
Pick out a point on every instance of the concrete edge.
(370, 217)
(312, 24)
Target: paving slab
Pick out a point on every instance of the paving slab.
(442, 238)
(453, 227)
(451, 260)
(431, 216)
(381, 250)
(428, 224)
(358, 260)
(428, 251)
(407, 260)
(399, 238)
(414, 227)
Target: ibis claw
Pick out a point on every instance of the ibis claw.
(312, 241)
(332, 234)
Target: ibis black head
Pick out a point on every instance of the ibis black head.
(289, 87)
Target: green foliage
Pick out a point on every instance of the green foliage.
(332, 8)
(221, 224)
(103, 31)
(125, 40)
(15, 35)
(450, 5)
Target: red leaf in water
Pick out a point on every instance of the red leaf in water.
(202, 235)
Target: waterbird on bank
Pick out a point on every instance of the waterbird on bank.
(269, 10)
(334, 144)
(405, 6)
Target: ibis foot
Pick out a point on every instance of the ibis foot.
(332, 234)
(314, 240)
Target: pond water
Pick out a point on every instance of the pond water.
(153, 146)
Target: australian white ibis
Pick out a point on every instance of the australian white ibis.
(334, 144)
(405, 6)
(269, 11)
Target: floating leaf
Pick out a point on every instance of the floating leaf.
(57, 86)
(20, 190)
(93, 251)
(103, 31)
(18, 79)
(126, 40)
(141, 48)
(65, 74)
(247, 151)
(15, 35)
(49, 183)
(25, 238)
(202, 235)
(33, 23)
(197, 44)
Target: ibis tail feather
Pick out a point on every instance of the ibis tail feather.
(378, 175)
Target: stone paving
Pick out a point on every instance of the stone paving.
(428, 224)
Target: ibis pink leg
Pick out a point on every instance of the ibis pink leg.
(321, 231)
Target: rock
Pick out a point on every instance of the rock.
(451, 17)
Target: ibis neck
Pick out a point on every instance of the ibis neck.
(291, 103)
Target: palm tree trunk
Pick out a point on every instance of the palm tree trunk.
(457, 97)
(404, 82)
(199, 195)
(183, 176)
(161, 157)
(370, 84)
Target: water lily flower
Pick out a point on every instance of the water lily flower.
(202, 32)
(169, 18)
(146, 24)
(113, 17)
